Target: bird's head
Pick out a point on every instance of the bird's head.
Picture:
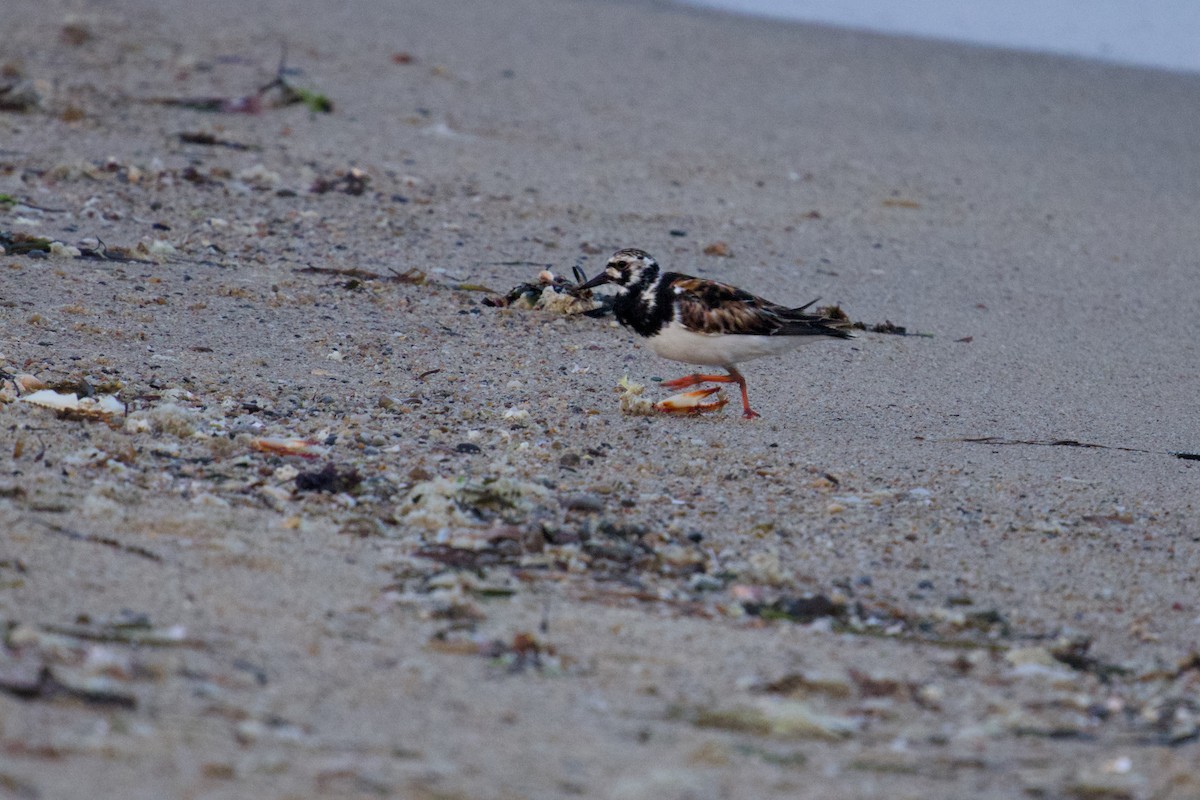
(627, 268)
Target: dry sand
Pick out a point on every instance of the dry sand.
(843, 598)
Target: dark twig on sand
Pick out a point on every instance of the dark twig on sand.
(1000, 440)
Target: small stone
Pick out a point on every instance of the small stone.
(586, 503)
(700, 582)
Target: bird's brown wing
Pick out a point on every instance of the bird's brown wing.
(711, 307)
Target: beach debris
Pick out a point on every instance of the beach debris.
(887, 326)
(245, 104)
(517, 416)
(72, 406)
(411, 276)
(329, 478)
(314, 101)
(17, 243)
(124, 627)
(524, 651)
(474, 550)
(18, 93)
(107, 541)
(45, 683)
(771, 716)
(945, 627)
(798, 685)
(553, 293)
(64, 250)
(1107, 784)
(835, 312)
(211, 140)
(289, 446)
(1000, 440)
(1172, 718)
(695, 401)
(719, 249)
(252, 103)
(442, 503)
(799, 609)
(631, 399)
(278, 93)
(353, 273)
(583, 502)
(12, 386)
(353, 182)
(90, 662)
(164, 418)
(249, 731)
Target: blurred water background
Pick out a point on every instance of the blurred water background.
(1163, 34)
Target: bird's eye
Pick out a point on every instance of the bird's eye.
(621, 264)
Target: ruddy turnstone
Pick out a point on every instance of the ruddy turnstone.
(698, 321)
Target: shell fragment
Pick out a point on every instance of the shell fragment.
(102, 406)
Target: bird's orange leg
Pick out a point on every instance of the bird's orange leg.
(747, 412)
(693, 379)
(733, 377)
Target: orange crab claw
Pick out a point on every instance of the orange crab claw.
(692, 402)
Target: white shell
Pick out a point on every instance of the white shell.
(57, 401)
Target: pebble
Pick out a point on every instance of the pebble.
(587, 503)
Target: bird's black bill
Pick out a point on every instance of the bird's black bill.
(599, 280)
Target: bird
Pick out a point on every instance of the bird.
(705, 322)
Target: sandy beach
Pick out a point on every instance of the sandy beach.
(353, 533)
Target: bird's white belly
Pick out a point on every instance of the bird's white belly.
(678, 343)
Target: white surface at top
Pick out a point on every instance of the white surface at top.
(1153, 33)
